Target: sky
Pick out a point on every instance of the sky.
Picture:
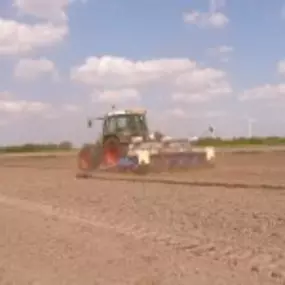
(191, 64)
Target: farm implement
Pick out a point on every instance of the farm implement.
(126, 145)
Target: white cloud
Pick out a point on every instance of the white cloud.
(189, 97)
(121, 72)
(5, 95)
(122, 77)
(30, 69)
(20, 38)
(221, 52)
(60, 112)
(215, 114)
(22, 106)
(215, 5)
(3, 123)
(281, 67)
(114, 96)
(212, 19)
(266, 91)
(53, 115)
(201, 85)
(45, 9)
(10, 106)
(217, 19)
(71, 108)
(223, 49)
(206, 20)
(177, 112)
(180, 113)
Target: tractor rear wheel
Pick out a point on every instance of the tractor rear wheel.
(112, 151)
(89, 158)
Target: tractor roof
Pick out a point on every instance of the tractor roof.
(127, 112)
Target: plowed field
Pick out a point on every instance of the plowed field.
(226, 226)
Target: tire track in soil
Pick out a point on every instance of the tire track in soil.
(215, 184)
(256, 260)
(159, 180)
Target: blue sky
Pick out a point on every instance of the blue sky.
(190, 63)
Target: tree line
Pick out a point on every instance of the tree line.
(206, 141)
(35, 147)
(243, 141)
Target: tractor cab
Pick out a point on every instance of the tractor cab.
(125, 125)
(120, 128)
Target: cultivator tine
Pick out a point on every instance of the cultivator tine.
(178, 161)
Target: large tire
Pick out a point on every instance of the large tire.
(89, 158)
(112, 151)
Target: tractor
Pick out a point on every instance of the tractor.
(126, 144)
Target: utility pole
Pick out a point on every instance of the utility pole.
(250, 122)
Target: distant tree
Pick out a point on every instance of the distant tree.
(65, 145)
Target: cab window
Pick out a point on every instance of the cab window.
(110, 125)
(122, 122)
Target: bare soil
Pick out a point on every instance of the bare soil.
(58, 230)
